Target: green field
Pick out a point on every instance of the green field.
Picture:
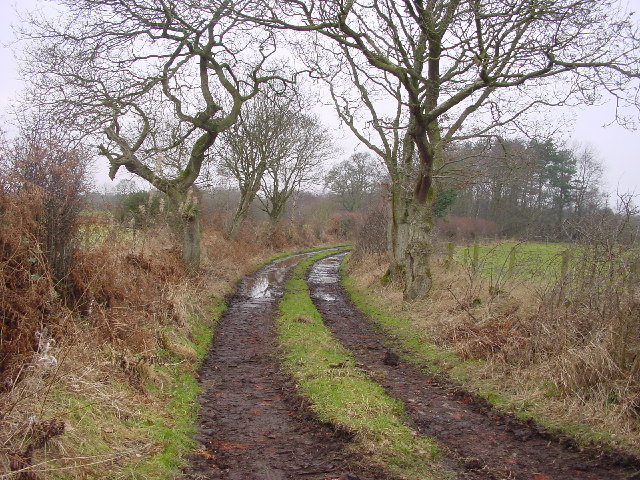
(525, 260)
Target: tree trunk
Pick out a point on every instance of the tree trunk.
(277, 209)
(409, 242)
(241, 214)
(191, 240)
(188, 207)
(418, 251)
(248, 191)
(428, 143)
(398, 231)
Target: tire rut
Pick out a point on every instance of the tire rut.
(482, 443)
(252, 424)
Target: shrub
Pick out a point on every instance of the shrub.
(371, 236)
(139, 209)
(40, 166)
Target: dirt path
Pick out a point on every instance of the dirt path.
(253, 426)
(482, 443)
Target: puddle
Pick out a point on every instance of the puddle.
(260, 288)
(268, 282)
(327, 297)
(324, 272)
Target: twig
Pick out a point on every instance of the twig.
(462, 306)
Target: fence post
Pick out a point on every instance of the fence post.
(634, 271)
(564, 266)
(451, 248)
(512, 261)
(475, 260)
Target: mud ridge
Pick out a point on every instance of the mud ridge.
(253, 425)
(482, 443)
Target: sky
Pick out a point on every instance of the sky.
(617, 148)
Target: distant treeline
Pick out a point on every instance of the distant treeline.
(532, 190)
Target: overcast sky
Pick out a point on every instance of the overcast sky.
(619, 149)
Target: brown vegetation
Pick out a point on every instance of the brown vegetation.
(87, 366)
(466, 228)
(564, 351)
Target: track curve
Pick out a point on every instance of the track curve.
(484, 444)
(252, 424)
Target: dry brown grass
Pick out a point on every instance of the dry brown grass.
(86, 390)
(566, 352)
(99, 367)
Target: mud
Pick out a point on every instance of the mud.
(252, 424)
(480, 443)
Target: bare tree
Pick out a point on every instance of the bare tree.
(586, 182)
(466, 67)
(308, 145)
(118, 69)
(353, 180)
(262, 137)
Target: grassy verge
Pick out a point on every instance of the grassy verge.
(137, 422)
(415, 345)
(174, 386)
(342, 394)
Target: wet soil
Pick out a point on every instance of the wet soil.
(480, 443)
(252, 424)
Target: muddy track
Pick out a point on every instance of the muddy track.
(481, 443)
(252, 424)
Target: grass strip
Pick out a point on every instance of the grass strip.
(172, 428)
(342, 394)
(413, 346)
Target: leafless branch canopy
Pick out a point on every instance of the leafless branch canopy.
(129, 68)
(461, 68)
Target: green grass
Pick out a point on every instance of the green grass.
(526, 260)
(342, 394)
(152, 439)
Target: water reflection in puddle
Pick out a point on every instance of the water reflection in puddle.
(267, 284)
(260, 288)
(326, 297)
(326, 272)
